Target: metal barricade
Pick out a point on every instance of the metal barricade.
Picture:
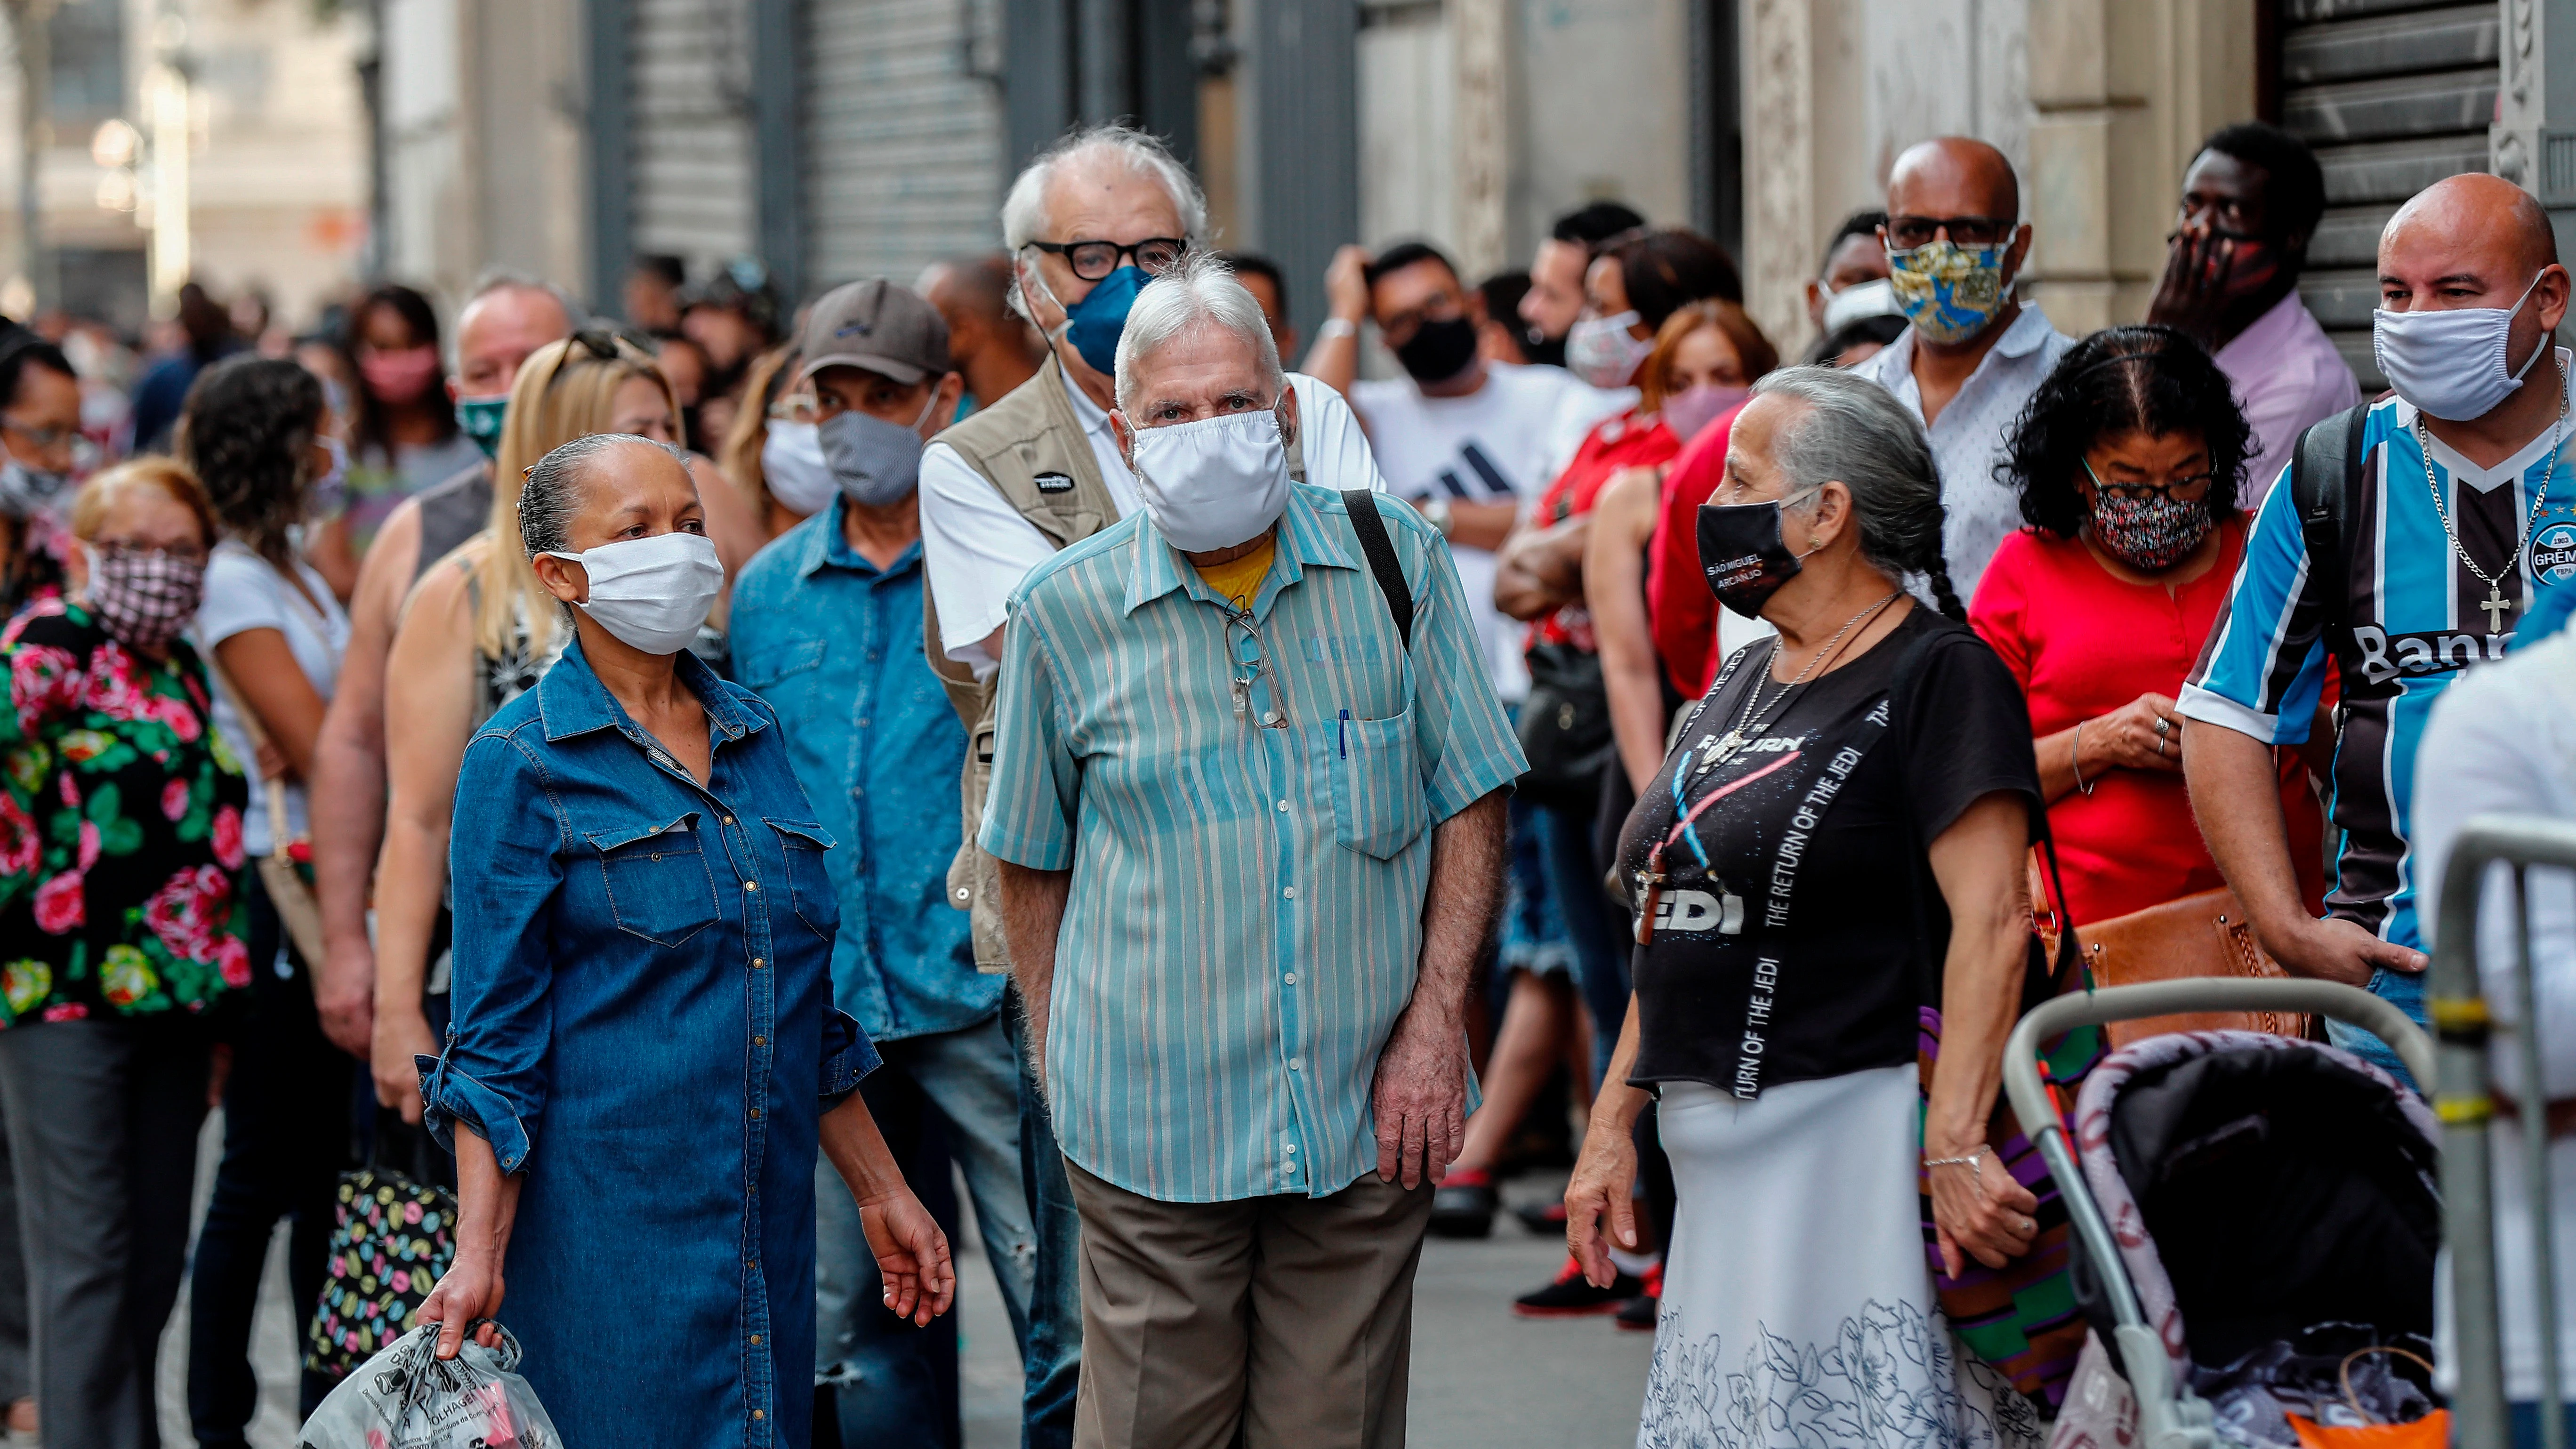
(2456, 1004)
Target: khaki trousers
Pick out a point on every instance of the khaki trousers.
(1286, 1319)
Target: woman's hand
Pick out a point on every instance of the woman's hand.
(1604, 1186)
(911, 1254)
(2127, 738)
(471, 1290)
(1980, 1209)
(399, 1038)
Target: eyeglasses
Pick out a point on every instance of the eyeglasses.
(796, 407)
(44, 438)
(1093, 260)
(1250, 668)
(119, 550)
(1907, 232)
(2185, 489)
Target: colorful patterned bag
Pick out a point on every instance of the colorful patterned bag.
(393, 1241)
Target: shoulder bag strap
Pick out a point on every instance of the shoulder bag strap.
(2325, 476)
(278, 834)
(1380, 549)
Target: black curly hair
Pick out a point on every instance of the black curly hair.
(247, 432)
(2121, 379)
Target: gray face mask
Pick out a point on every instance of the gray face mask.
(25, 491)
(875, 462)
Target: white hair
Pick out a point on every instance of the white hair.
(1024, 213)
(1200, 292)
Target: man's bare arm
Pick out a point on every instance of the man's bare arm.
(1420, 1094)
(1033, 904)
(2235, 795)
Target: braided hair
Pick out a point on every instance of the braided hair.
(1854, 432)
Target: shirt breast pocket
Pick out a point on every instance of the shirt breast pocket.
(1379, 805)
(785, 672)
(657, 880)
(817, 904)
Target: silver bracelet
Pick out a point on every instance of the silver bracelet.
(1337, 327)
(2075, 758)
(1969, 1162)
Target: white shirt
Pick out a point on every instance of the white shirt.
(246, 592)
(1970, 437)
(977, 547)
(2288, 375)
(1504, 442)
(2502, 739)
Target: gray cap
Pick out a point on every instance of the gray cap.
(878, 326)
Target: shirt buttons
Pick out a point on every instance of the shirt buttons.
(1296, 1064)
(755, 1114)
(964, 894)
(757, 963)
(1290, 893)
(1283, 807)
(861, 721)
(1292, 978)
(751, 885)
(755, 1338)
(759, 1414)
(728, 820)
(760, 1041)
(1270, 716)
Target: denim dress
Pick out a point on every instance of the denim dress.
(644, 1031)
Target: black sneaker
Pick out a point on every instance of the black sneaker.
(1463, 1207)
(1571, 1297)
(1547, 1219)
(1637, 1315)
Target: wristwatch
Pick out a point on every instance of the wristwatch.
(1437, 514)
(1337, 327)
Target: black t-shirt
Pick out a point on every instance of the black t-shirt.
(1793, 950)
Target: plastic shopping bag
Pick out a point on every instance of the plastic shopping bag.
(409, 1398)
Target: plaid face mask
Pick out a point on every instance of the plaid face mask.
(144, 597)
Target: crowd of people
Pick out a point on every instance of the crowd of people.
(694, 785)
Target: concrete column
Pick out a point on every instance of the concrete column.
(1480, 31)
(2533, 141)
(1780, 212)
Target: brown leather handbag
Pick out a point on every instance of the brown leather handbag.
(2200, 935)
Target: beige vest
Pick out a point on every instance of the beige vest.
(1030, 446)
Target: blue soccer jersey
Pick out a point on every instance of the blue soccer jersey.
(2417, 614)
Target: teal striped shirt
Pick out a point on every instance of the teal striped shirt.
(1245, 921)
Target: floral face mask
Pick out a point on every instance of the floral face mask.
(1949, 292)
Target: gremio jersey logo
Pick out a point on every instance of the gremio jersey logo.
(2553, 553)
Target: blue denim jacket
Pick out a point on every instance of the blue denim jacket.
(834, 644)
(643, 989)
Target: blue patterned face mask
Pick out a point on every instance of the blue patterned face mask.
(1949, 292)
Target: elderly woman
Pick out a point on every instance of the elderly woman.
(1874, 751)
(2128, 459)
(120, 852)
(643, 990)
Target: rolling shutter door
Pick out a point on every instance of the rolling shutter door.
(690, 172)
(902, 144)
(2394, 96)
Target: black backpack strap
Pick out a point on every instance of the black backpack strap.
(2325, 476)
(1366, 522)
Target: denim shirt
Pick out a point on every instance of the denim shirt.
(643, 1027)
(833, 643)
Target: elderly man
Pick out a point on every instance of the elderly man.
(508, 317)
(1973, 351)
(2411, 547)
(1088, 223)
(2250, 202)
(1249, 802)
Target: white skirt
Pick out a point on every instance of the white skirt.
(1798, 1310)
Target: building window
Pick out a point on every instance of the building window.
(88, 79)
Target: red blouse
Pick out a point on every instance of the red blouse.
(1632, 439)
(1679, 608)
(2083, 644)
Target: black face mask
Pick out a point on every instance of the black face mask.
(1439, 350)
(1741, 551)
(1542, 351)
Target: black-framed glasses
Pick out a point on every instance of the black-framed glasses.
(1907, 232)
(1093, 260)
(2186, 489)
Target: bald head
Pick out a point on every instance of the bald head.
(497, 331)
(978, 285)
(1953, 176)
(2474, 213)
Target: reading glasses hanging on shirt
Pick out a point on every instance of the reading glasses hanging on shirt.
(1250, 658)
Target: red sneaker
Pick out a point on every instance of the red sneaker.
(1637, 1315)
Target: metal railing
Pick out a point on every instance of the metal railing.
(2170, 1415)
(2456, 1004)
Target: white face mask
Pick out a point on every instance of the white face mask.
(791, 463)
(652, 593)
(1602, 351)
(2451, 364)
(1213, 483)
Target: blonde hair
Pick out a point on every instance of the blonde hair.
(565, 390)
(180, 486)
(771, 377)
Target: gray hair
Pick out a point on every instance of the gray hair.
(1024, 213)
(511, 279)
(552, 497)
(1854, 432)
(1198, 292)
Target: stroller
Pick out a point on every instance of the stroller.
(2246, 1206)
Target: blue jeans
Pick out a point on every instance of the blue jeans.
(1052, 1356)
(2401, 989)
(1593, 927)
(887, 1386)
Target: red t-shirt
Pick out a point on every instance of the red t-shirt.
(2083, 644)
(1679, 608)
(1632, 439)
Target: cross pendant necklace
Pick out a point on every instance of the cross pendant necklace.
(2495, 603)
(2497, 606)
